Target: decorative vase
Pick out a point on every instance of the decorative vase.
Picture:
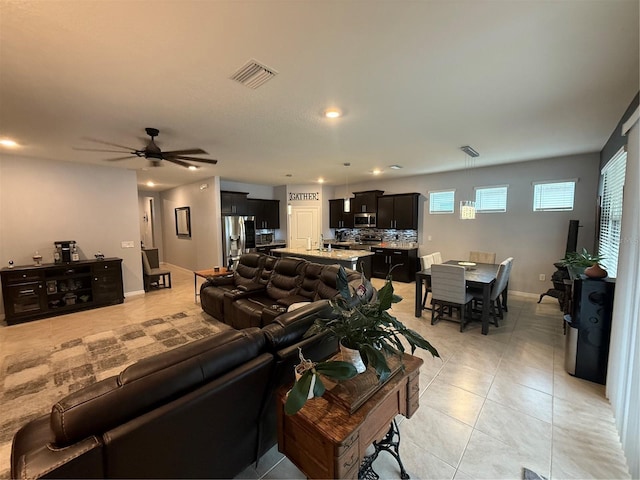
(353, 357)
(595, 271)
(311, 385)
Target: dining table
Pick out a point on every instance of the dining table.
(479, 275)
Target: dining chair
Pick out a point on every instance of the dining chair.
(482, 257)
(425, 262)
(449, 291)
(437, 257)
(498, 289)
(153, 275)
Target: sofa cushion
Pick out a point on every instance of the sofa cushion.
(150, 383)
(286, 277)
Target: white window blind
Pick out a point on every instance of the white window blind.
(553, 196)
(491, 199)
(611, 211)
(442, 201)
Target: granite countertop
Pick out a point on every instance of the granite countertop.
(281, 242)
(334, 254)
(399, 245)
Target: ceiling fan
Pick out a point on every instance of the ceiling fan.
(153, 153)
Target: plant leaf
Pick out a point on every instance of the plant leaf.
(376, 359)
(318, 387)
(336, 369)
(298, 395)
(343, 284)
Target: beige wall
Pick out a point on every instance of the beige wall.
(203, 249)
(535, 240)
(43, 201)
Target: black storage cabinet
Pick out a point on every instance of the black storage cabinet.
(589, 328)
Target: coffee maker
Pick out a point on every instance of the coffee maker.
(62, 253)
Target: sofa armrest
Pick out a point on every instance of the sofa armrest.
(79, 460)
(218, 281)
(236, 293)
(288, 301)
(252, 287)
(290, 327)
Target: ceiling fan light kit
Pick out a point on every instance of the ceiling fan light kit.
(154, 154)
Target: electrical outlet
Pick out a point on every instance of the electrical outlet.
(127, 244)
(542, 277)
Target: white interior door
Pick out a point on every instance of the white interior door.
(304, 225)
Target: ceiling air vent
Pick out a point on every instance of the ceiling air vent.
(252, 74)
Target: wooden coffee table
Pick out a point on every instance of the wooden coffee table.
(204, 274)
(324, 440)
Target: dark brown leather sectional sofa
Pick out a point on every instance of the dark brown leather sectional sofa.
(202, 410)
(263, 287)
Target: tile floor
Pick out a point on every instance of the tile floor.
(489, 406)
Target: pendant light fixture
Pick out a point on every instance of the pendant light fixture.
(347, 200)
(468, 207)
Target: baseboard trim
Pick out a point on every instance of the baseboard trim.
(134, 293)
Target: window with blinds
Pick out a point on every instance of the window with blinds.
(611, 211)
(491, 199)
(442, 201)
(553, 196)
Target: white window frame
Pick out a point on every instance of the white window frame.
(487, 209)
(613, 177)
(536, 200)
(442, 212)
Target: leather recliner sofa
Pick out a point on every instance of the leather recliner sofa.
(255, 297)
(202, 410)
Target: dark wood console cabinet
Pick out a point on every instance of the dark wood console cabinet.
(33, 292)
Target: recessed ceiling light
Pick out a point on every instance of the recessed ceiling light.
(333, 113)
(377, 171)
(321, 180)
(192, 167)
(395, 167)
(150, 184)
(5, 142)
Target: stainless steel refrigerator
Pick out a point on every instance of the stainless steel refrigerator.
(238, 237)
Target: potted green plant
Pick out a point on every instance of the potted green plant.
(585, 261)
(362, 322)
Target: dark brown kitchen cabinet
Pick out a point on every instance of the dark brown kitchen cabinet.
(386, 258)
(365, 202)
(399, 212)
(233, 203)
(33, 292)
(337, 216)
(267, 213)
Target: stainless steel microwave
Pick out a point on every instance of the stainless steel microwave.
(364, 220)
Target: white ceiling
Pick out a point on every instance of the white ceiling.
(517, 80)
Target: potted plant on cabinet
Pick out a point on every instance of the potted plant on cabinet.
(585, 261)
(361, 322)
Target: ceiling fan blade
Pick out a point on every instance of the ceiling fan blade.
(192, 159)
(98, 150)
(178, 162)
(107, 143)
(192, 151)
(119, 158)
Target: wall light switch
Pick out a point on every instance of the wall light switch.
(128, 244)
(429, 238)
(542, 277)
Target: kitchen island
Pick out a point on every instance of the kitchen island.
(353, 259)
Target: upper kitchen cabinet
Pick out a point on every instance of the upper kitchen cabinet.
(233, 203)
(365, 202)
(398, 211)
(267, 213)
(337, 216)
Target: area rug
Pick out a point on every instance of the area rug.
(33, 381)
